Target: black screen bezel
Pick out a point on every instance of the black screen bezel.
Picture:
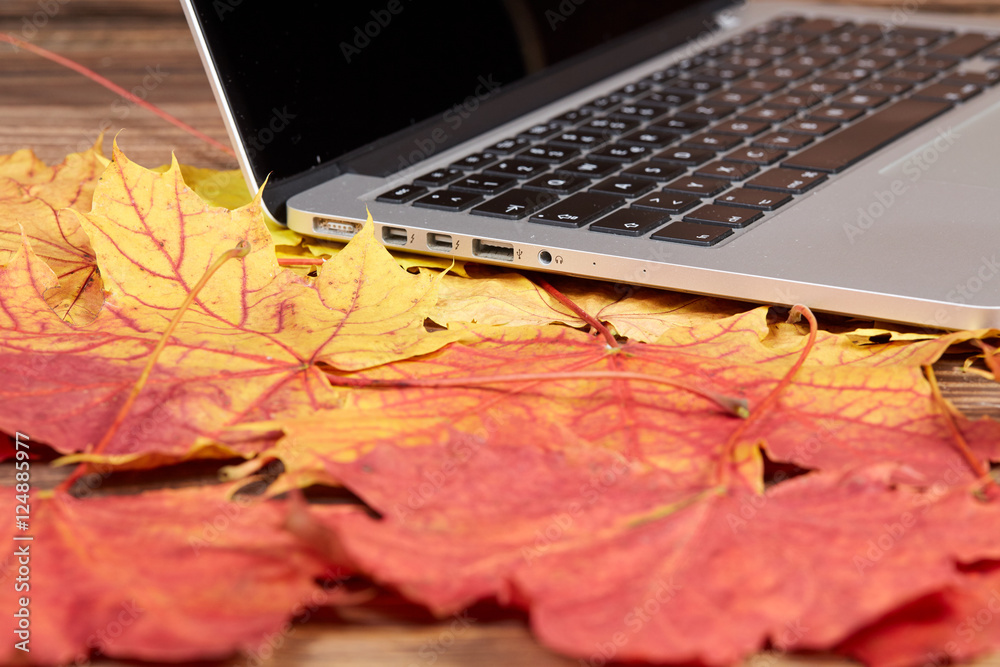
(380, 158)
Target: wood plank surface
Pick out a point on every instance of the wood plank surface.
(145, 46)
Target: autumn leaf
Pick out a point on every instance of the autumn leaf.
(615, 561)
(163, 575)
(847, 405)
(248, 348)
(492, 296)
(33, 197)
(950, 626)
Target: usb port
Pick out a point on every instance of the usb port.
(393, 236)
(440, 242)
(342, 228)
(493, 250)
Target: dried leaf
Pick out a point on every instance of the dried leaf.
(246, 350)
(163, 575)
(616, 562)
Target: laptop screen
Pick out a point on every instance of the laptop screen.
(317, 82)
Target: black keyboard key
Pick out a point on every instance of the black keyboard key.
(908, 75)
(557, 183)
(668, 98)
(733, 98)
(712, 141)
(693, 233)
(611, 125)
(581, 138)
(475, 161)
(514, 204)
(835, 114)
(573, 117)
(624, 186)
(651, 137)
(449, 200)
(866, 136)
(686, 156)
(671, 202)
(758, 86)
(821, 88)
(983, 79)
(604, 102)
(640, 111)
(729, 171)
(787, 141)
(884, 88)
(621, 153)
(816, 128)
(548, 153)
(767, 114)
(402, 194)
(690, 86)
(517, 168)
(756, 199)
(720, 72)
(578, 210)
(845, 75)
(508, 146)
(783, 73)
(792, 100)
(698, 185)
(756, 155)
(541, 131)
(948, 92)
(860, 100)
(795, 181)
(741, 127)
(633, 89)
(484, 184)
(630, 222)
(963, 46)
(589, 168)
(656, 171)
(716, 214)
(703, 111)
(439, 177)
(682, 125)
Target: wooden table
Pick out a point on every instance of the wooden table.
(55, 111)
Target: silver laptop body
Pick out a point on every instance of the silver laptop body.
(909, 233)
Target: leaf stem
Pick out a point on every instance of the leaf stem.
(981, 472)
(301, 261)
(578, 311)
(94, 76)
(241, 250)
(769, 400)
(735, 406)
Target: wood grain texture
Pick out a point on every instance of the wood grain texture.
(55, 111)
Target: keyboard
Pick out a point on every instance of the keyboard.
(720, 140)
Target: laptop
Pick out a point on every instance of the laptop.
(845, 158)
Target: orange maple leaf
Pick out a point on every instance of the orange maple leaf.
(619, 563)
(163, 575)
(847, 405)
(248, 348)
